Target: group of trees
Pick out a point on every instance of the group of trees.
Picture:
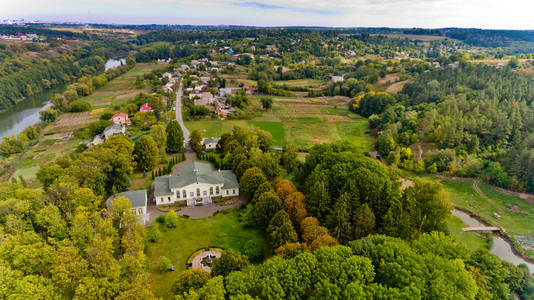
(480, 117)
(434, 266)
(61, 240)
(354, 195)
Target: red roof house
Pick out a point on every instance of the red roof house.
(146, 107)
(120, 118)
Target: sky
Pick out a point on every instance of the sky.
(488, 14)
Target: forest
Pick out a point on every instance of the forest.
(480, 117)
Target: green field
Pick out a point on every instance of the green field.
(213, 128)
(222, 230)
(276, 129)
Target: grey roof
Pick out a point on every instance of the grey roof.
(116, 127)
(137, 198)
(194, 172)
(210, 140)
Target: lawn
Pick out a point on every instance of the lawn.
(276, 129)
(223, 230)
(214, 128)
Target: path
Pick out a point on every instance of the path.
(206, 210)
(179, 94)
(197, 261)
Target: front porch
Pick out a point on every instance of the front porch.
(198, 201)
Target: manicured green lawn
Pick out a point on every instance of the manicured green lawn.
(223, 230)
(276, 129)
(472, 240)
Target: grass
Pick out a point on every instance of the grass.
(276, 129)
(472, 240)
(309, 120)
(462, 194)
(214, 128)
(222, 230)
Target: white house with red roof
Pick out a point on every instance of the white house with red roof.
(146, 107)
(120, 118)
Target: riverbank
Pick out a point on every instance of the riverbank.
(501, 253)
(58, 139)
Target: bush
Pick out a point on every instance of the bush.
(165, 264)
(160, 219)
(190, 279)
(79, 106)
(153, 234)
(171, 219)
(253, 251)
(106, 116)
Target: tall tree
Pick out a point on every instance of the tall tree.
(146, 153)
(175, 137)
(195, 141)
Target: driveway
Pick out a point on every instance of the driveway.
(206, 210)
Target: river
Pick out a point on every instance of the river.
(14, 119)
(26, 113)
(500, 247)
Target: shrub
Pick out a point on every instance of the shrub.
(153, 234)
(190, 279)
(253, 251)
(171, 219)
(165, 264)
(79, 106)
(160, 219)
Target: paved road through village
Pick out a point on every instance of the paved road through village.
(179, 118)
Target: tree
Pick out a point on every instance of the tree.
(175, 137)
(171, 219)
(253, 251)
(284, 188)
(296, 208)
(190, 279)
(165, 264)
(250, 181)
(338, 222)
(157, 132)
(281, 230)
(266, 102)
(145, 153)
(228, 262)
(267, 206)
(289, 156)
(48, 115)
(318, 200)
(363, 222)
(195, 140)
(48, 173)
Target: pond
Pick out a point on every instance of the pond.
(14, 119)
(114, 63)
(500, 248)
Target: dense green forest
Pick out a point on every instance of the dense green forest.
(480, 117)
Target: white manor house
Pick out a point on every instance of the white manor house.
(196, 184)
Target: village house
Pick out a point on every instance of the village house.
(210, 143)
(227, 91)
(203, 99)
(120, 118)
(113, 130)
(200, 88)
(146, 107)
(337, 78)
(138, 202)
(168, 88)
(205, 79)
(196, 184)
